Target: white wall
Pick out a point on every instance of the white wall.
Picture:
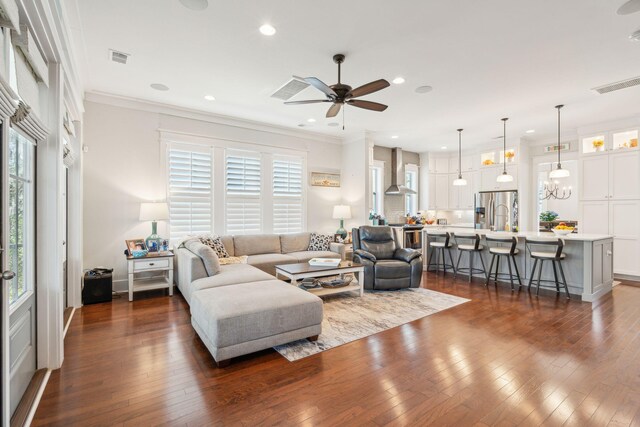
(355, 179)
(123, 167)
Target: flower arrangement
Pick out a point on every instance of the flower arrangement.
(487, 162)
(376, 218)
(510, 154)
(598, 144)
(548, 216)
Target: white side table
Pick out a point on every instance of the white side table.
(162, 267)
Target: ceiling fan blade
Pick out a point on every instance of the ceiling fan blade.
(367, 105)
(632, 6)
(308, 101)
(368, 88)
(321, 86)
(334, 110)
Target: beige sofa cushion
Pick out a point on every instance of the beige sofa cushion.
(206, 254)
(294, 242)
(305, 256)
(231, 274)
(256, 244)
(268, 262)
(227, 241)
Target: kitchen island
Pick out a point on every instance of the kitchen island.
(588, 264)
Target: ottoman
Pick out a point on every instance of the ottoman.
(240, 319)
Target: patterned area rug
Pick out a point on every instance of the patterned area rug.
(348, 317)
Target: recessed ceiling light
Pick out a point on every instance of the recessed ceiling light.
(195, 4)
(311, 120)
(424, 89)
(531, 131)
(210, 97)
(267, 30)
(398, 80)
(333, 124)
(159, 86)
(394, 137)
(443, 148)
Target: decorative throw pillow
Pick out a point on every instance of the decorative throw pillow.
(234, 260)
(215, 243)
(320, 242)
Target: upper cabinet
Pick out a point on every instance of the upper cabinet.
(625, 139)
(466, 161)
(612, 177)
(497, 157)
(489, 179)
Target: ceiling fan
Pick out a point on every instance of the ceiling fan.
(340, 94)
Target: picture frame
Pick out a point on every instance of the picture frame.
(337, 238)
(323, 179)
(134, 245)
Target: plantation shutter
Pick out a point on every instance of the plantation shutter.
(190, 192)
(288, 202)
(242, 187)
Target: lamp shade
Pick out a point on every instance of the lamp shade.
(504, 177)
(559, 173)
(341, 212)
(154, 212)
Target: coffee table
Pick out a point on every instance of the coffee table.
(300, 271)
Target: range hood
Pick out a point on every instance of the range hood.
(397, 175)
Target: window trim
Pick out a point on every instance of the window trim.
(377, 165)
(410, 168)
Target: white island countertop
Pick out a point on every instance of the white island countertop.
(581, 237)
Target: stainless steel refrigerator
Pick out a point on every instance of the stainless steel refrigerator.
(496, 210)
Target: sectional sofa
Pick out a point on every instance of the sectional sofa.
(243, 308)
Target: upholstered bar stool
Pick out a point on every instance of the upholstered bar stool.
(469, 243)
(543, 249)
(509, 252)
(442, 245)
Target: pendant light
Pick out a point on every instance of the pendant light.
(559, 172)
(504, 177)
(460, 181)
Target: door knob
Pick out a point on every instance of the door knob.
(8, 275)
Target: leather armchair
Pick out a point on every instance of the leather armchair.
(386, 265)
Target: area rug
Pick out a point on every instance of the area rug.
(348, 317)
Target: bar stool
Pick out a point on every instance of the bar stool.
(509, 252)
(555, 256)
(439, 247)
(472, 247)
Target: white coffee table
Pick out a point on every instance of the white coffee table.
(303, 270)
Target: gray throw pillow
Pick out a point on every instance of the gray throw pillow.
(206, 254)
(320, 242)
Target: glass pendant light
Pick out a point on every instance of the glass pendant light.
(559, 172)
(504, 177)
(460, 181)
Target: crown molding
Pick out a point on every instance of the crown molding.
(189, 113)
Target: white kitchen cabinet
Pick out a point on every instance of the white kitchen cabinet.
(454, 192)
(441, 165)
(489, 176)
(466, 160)
(624, 176)
(594, 217)
(432, 191)
(442, 191)
(432, 164)
(594, 182)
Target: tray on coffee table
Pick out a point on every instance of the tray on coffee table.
(297, 272)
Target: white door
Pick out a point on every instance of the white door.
(18, 265)
(594, 217)
(623, 224)
(488, 178)
(594, 184)
(624, 176)
(467, 192)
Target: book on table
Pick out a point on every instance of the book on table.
(324, 262)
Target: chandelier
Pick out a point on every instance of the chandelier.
(552, 191)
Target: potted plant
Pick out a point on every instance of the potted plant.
(547, 217)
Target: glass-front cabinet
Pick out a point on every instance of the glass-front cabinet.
(497, 157)
(626, 139)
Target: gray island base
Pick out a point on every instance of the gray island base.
(588, 264)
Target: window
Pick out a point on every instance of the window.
(190, 191)
(288, 202)
(411, 181)
(243, 185)
(21, 215)
(377, 192)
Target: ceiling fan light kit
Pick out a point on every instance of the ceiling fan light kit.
(340, 94)
(504, 177)
(460, 181)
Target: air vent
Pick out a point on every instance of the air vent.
(635, 81)
(290, 89)
(119, 57)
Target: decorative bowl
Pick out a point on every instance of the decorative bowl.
(562, 232)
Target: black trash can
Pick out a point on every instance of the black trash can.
(98, 286)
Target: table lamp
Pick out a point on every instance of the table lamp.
(341, 212)
(154, 212)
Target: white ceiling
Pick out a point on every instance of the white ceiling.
(485, 60)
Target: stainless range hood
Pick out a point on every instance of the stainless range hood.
(397, 175)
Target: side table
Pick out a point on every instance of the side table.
(161, 263)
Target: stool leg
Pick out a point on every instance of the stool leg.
(539, 274)
(444, 261)
(457, 264)
(470, 265)
(495, 282)
(533, 271)
(493, 258)
(437, 260)
(555, 276)
(484, 269)
(564, 279)
(510, 274)
(515, 266)
(451, 259)
(430, 257)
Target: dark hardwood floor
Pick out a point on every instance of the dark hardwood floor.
(502, 359)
